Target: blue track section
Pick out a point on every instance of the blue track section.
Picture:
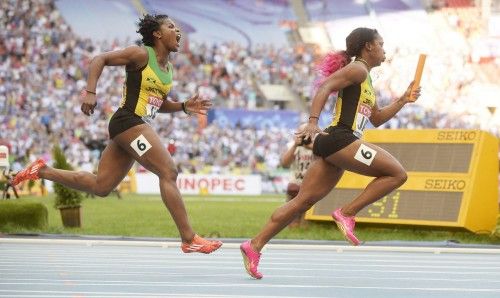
(36, 268)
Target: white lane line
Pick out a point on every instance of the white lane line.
(228, 253)
(9, 259)
(265, 285)
(329, 278)
(271, 269)
(353, 258)
(278, 249)
(124, 294)
(64, 273)
(158, 295)
(209, 264)
(268, 246)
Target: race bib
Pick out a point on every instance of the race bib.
(152, 107)
(365, 154)
(140, 145)
(303, 158)
(362, 117)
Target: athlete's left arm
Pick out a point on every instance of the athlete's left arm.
(169, 106)
(195, 104)
(381, 115)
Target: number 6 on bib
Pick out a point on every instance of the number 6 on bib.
(140, 145)
(365, 154)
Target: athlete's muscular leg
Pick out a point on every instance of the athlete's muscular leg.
(291, 192)
(157, 160)
(319, 180)
(113, 166)
(388, 172)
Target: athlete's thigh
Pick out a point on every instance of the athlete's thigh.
(113, 166)
(366, 159)
(319, 179)
(144, 145)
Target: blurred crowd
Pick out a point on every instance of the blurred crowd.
(43, 68)
(230, 73)
(459, 88)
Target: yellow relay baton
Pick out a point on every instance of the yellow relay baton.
(418, 73)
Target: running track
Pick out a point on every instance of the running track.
(43, 267)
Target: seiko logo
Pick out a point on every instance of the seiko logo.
(456, 135)
(445, 184)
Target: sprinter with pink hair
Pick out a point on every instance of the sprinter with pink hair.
(340, 146)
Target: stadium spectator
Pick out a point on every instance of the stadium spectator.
(298, 157)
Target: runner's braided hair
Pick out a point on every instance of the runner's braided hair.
(149, 24)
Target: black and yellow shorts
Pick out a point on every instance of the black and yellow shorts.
(338, 138)
(122, 120)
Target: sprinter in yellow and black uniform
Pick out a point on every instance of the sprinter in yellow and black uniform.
(339, 147)
(352, 113)
(149, 79)
(143, 94)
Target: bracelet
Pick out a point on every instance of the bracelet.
(183, 105)
(313, 117)
(91, 92)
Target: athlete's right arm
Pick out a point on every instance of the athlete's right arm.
(289, 156)
(133, 57)
(353, 73)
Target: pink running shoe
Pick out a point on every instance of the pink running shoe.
(29, 173)
(346, 225)
(251, 259)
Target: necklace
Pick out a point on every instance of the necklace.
(362, 61)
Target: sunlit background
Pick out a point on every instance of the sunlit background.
(254, 58)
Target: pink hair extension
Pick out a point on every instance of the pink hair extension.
(330, 64)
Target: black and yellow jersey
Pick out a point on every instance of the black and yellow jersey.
(354, 106)
(146, 89)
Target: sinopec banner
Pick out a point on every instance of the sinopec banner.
(147, 183)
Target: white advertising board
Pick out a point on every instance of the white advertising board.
(147, 183)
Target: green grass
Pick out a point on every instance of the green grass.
(225, 217)
(30, 215)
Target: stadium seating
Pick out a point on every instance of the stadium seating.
(233, 55)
